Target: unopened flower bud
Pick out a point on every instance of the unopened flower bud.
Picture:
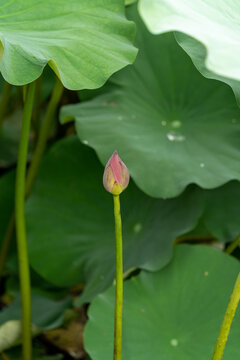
(116, 175)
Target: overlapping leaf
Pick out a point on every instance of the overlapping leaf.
(197, 51)
(172, 126)
(222, 211)
(171, 314)
(84, 42)
(71, 226)
(213, 23)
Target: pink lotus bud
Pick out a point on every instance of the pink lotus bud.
(116, 175)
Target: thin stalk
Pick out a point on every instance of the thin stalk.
(34, 166)
(119, 281)
(43, 135)
(227, 321)
(24, 272)
(4, 102)
(233, 245)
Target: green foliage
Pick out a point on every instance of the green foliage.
(171, 314)
(214, 24)
(161, 116)
(84, 43)
(174, 117)
(76, 231)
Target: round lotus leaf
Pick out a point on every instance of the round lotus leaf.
(172, 314)
(83, 41)
(172, 126)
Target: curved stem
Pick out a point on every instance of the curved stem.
(227, 321)
(34, 166)
(4, 101)
(233, 245)
(119, 281)
(43, 136)
(21, 225)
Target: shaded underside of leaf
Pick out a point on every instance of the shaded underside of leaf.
(214, 24)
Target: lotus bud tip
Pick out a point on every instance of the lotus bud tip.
(116, 175)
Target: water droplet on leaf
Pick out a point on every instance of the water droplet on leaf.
(174, 342)
(173, 136)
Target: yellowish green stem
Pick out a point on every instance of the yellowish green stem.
(119, 281)
(34, 166)
(233, 245)
(43, 135)
(227, 321)
(24, 272)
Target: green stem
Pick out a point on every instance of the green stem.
(21, 225)
(233, 245)
(4, 102)
(227, 321)
(34, 166)
(43, 136)
(119, 281)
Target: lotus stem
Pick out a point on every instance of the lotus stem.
(227, 321)
(233, 245)
(24, 271)
(34, 166)
(119, 281)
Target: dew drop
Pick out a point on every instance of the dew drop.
(176, 124)
(164, 123)
(202, 165)
(173, 136)
(85, 142)
(174, 342)
(119, 117)
(137, 228)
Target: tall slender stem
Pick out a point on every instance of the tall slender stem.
(21, 225)
(43, 135)
(227, 321)
(4, 101)
(119, 281)
(35, 163)
(233, 245)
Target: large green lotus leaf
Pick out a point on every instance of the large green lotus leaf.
(84, 42)
(197, 51)
(214, 23)
(172, 314)
(172, 126)
(71, 226)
